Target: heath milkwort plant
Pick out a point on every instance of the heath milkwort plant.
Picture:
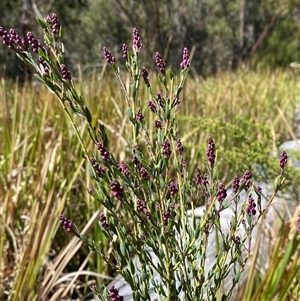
(149, 197)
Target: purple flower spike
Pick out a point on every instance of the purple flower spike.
(247, 179)
(144, 173)
(235, 184)
(145, 75)
(67, 225)
(179, 146)
(152, 106)
(55, 24)
(185, 59)
(250, 209)
(283, 159)
(157, 124)
(66, 74)
(139, 116)
(222, 193)
(103, 151)
(124, 168)
(114, 294)
(136, 40)
(109, 58)
(159, 63)
(125, 51)
(210, 155)
(173, 188)
(166, 148)
(117, 190)
(103, 221)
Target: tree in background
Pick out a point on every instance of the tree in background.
(225, 33)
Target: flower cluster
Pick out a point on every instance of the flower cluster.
(54, 23)
(114, 294)
(283, 159)
(103, 221)
(136, 40)
(222, 193)
(45, 67)
(235, 184)
(210, 155)
(179, 146)
(157, 124)
(144, 173)
(167, 148)
(125, 51)
(66, 74)
(117, 190)
(109, 58)
(159, 63)
(247, 179)
(145, 75)
(97, 167)
(185, 59)
(124, 168)
(33, 42)
(142, 208)
(152, 106)
(173, 189)
(66, 224)
(103, 151)
(250, 209)
(12, 40)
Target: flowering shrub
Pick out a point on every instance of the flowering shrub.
(149, 196)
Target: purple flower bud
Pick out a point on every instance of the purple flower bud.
(173, 189)
(198, 178)
(136, 161)
(139, 116)
(117, 190)
(144, 173)
(166, 216)
(136, 40)
(205, 180)
(152, 106)
(109, 58)
(143, 236)
(299, 223)
(124, 168)
(103, 221)
(185, 59)
(210, 154)
(235, 184)
(66, 224)
(55, 24)
(250, 209)
(66, 74)
(145, 75)
(237, 240)
(140, 205)
(159, 99)
(45, 66)
(222, 193)
(114, 294)
(283, 159)
(166, 148)
(125, 51)
(91, 191)
(103, 151)
(247, 179)
(179, 146)
(157, 124)
(159, 63)
(97, 167)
